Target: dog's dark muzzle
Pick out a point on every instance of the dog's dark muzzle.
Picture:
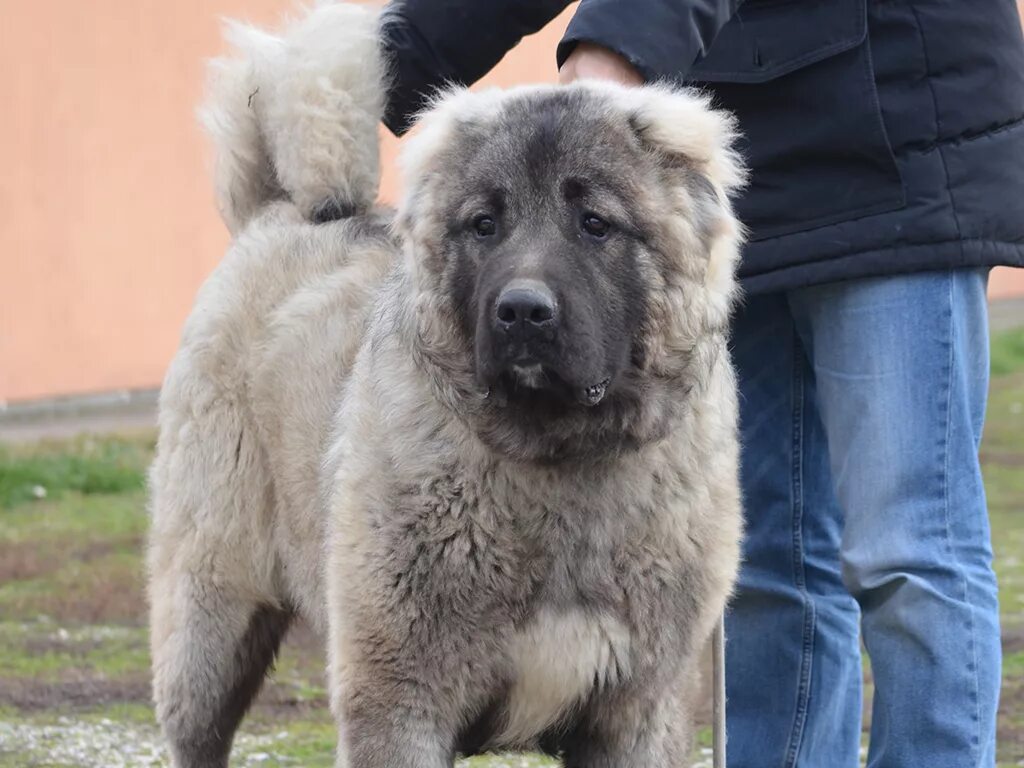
(525, 317)
(522, 349)
(524, 324)
(521, 326)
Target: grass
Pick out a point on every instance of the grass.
(30, 650)
(86, 465)
(1007, 352)
(74, 660)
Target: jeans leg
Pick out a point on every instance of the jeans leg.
(793, 672)
(901, 371)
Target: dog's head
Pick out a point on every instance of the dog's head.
(570, 248)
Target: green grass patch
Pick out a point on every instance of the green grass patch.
(44, 651)
(72, 525)
(77, 521)
(1013, 664)
(87, 465)
(1008, 351)
(305, 742)
(1004, 422)
(1002, 454)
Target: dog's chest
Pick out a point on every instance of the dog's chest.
(557, 660)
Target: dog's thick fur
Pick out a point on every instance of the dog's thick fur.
(514, 571)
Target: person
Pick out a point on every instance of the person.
(886, 143)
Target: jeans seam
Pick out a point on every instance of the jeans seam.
(948, 406)
(799, 578)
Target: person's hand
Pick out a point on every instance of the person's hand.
(589, 60)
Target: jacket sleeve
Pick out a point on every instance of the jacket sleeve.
(661, 38)
(432, 42)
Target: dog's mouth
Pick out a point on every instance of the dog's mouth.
(532, 384)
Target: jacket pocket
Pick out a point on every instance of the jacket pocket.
(798, 75)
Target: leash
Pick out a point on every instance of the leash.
(718, 694)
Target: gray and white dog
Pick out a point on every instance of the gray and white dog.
(486, 445)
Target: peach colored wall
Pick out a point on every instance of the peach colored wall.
(107, 223)
(1005, 283)
(106, 216)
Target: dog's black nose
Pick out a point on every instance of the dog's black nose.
(525, 306)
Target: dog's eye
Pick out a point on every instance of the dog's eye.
(595, 226)
(485, 226)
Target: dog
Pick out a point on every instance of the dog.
(486, 445)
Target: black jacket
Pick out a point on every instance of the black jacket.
(884, 137)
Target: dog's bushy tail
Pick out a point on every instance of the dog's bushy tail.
(296, 115)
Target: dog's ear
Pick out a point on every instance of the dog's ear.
(696, 144)
(680, 125)
(297, 115)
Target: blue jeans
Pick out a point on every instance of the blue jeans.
(862, 405)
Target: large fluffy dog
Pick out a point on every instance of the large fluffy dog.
(487, 445)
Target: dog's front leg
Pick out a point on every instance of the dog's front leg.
(418, 605)
(395, 685)
(377, 732)
(646, 725)
(401, 700)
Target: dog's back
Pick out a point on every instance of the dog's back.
(247, 403)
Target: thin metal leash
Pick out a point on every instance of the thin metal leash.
(718, 695)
